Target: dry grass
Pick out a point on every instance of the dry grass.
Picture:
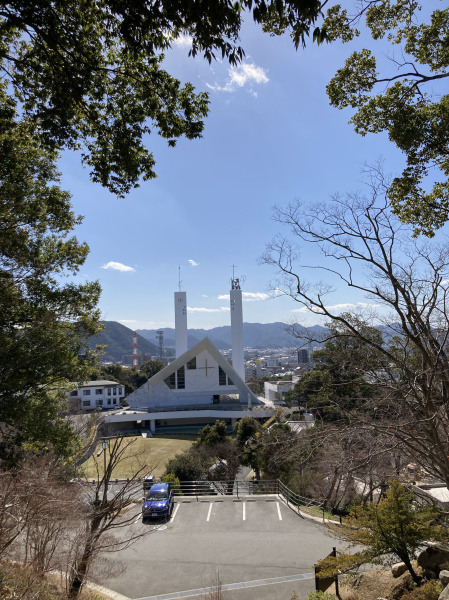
(152, 452)
(20, 582)
(369, 585)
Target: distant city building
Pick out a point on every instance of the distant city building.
(272, 362)
(250, 372)
(303, 356)
(276, 390)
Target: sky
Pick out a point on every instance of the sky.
(271, 137)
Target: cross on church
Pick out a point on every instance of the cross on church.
(206, 367)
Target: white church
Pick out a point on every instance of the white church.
(199, 386)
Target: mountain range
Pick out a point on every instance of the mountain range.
(118, 339)
(255, 335)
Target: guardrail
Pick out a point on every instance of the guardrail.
(244, 488)
(233, 487)
(297, 501)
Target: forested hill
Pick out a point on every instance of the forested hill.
(119, 341)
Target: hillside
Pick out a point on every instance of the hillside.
(119, 342)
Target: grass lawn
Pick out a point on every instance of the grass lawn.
(152, 452)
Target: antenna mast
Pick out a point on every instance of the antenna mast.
(235, 281)
(160, 338)
(135, 360)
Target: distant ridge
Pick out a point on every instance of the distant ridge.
(119, 341)
(260, 336)
(255, 335)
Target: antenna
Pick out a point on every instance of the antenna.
(179, 278)
(235, 282)
(135, 360)
(160, 338)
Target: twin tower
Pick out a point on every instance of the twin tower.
(238, 358)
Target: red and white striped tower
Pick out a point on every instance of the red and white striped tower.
(135, 363)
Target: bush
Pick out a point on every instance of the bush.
(320, 596)
(173, 481)
(430, 590)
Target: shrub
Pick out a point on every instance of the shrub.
(430, 590)
(320, 596)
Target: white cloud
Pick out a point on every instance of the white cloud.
(145, 324)
(116, 266)
(253, 296)
(193, 263)
(183, 41)
(238, 77)
(336, 307)
(204, 296)
(247, 296)
(207, 310)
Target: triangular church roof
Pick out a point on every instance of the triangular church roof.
(204, 345)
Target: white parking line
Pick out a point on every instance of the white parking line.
(174, 513)
(279, 511)
(244, 511)
(209, 511)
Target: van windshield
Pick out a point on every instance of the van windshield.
(157, 495)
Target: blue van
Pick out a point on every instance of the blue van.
(158, 502)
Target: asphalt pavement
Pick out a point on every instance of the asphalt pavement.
(257, 549)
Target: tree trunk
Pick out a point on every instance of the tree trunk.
(411, 570)
(79, 569)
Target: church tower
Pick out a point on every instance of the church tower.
(238, 358)
(181, 322)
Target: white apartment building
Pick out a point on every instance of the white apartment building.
(101, 394)
(276, 390)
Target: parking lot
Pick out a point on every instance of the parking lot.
(250, 543)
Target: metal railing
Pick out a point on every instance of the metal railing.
(239, 488)
(296, 501)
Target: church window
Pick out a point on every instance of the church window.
(171, 381)
(181, 378)
(191, 364)
(221, 376)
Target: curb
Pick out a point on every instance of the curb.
(105, 591)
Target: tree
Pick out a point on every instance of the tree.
(344, 366)
(151, 367)
(209, 436)
(396, 526)
(109, 514)
(186, 466)
(245, 429)
(368, 250)
(410, 103)
(214, 456)
(90, 75)
(131, 379)
(44, 323)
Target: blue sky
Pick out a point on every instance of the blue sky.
(271, 137)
